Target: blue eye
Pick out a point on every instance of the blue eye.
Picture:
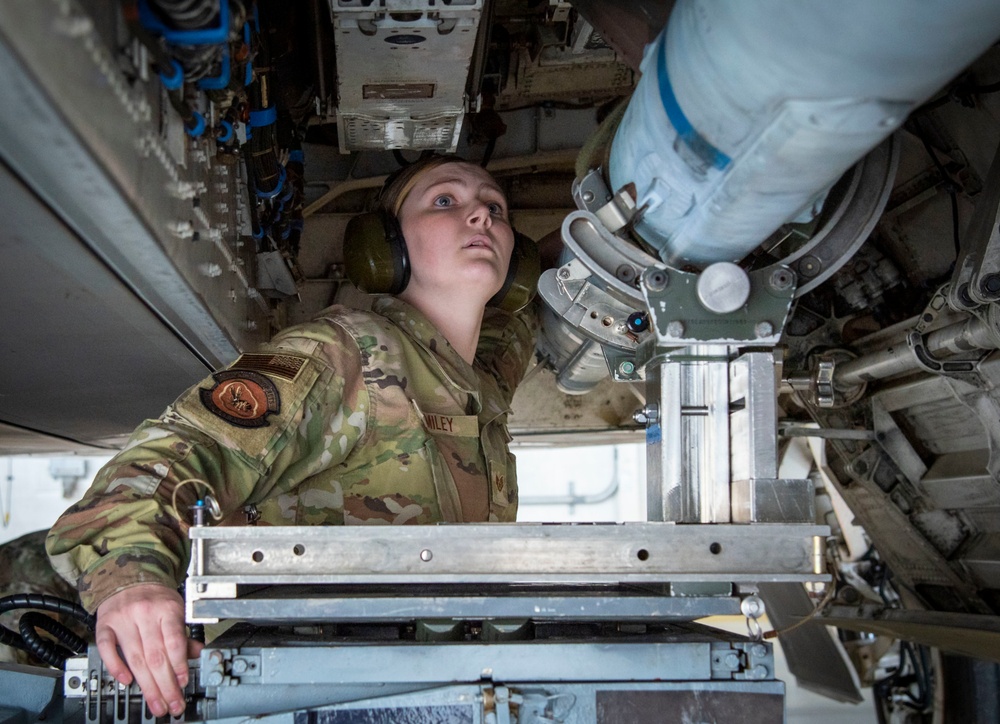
(443, 200)
(496, 209)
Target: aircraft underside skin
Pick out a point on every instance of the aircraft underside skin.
(809, 353)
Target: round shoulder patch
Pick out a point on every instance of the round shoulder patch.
(241, 398)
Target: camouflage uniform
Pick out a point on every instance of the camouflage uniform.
(24, 568)
(353, 418)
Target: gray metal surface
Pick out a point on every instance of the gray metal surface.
(816, 658)
(632, 552)
(967, 634)
(281, 606)
(688, 446)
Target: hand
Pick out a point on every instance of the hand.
(146, 623)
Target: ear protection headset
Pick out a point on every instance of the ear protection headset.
(377, 262)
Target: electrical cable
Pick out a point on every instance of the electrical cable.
(34, 644)
(51, 653)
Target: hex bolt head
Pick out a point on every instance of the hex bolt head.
(215, 678)
(626, 368)
(240, 666)
(675, 329)
(733, 660)
(759, 650)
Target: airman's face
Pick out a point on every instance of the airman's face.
(457, 232)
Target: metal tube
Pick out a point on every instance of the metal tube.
(747, 113)
(897, 358)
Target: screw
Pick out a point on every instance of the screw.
(240, 666)
(563, 274)
(626, 368)
(781, 279)
(763, 329)
(733, 660)
(588, 196)
(759, 650)
(426, 554)
(656, 279)
(675, 329)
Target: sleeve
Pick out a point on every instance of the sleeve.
(506, 345)
(249, 432)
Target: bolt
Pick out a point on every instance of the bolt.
(216, 657)
(215, 678)
(74, 682)
(752, 607)
(759, 650)
(990, 284)
(240, 666)
(211, 270)
(763, 329)
(625, 273)
(733, 660)
(588, 196)
(675, 329)
(626, 368)
(640, 417)
(563, 274)
(781, 279)
(656, 279)
(426, 554)
(758, 672)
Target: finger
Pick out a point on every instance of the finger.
(176, 642)
(107, 647)
(156, 660)
(135, 651)
(194, 648)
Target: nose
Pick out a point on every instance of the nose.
(479, 215)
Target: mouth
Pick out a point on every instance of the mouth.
(479, 242)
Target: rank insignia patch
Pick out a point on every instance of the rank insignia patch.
(241, 398)
(499, 481)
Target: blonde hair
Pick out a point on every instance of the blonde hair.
(399, 185)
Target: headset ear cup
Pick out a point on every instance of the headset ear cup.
(521, 284)
(375, 256)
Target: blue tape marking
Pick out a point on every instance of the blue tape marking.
(263, 118)
(175, 81)
(222, 79)
(653, 434)
(692, 139)
(203, 36)
(199, 126)
(227, 132)
(249, 74)
(277, 189)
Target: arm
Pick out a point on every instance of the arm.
(506, 345)
(127, 543)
